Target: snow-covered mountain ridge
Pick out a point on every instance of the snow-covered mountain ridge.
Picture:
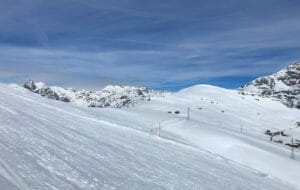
(283, 86)
(115, 96)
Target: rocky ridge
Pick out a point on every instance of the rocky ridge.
(115, 96)
(283, 86)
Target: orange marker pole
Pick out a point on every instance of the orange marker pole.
(159, 129)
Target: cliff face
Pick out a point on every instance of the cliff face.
(283, 86)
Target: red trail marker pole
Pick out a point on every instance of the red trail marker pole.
(159, 129)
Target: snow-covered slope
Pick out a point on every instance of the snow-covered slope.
(115, 96)
(47, 144)
(283, 85)
(232, 125)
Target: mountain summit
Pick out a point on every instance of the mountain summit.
(283, 86)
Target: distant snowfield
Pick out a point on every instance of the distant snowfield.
(47, 144)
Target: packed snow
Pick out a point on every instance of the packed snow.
(48, 144)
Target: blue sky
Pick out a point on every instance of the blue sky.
(159, 44)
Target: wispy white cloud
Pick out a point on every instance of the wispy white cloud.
(153, 43)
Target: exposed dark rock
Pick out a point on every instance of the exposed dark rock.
(278, 141)
(30, 85)
(295, 145)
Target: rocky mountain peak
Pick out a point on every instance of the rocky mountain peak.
(30, 85)
(283, 86)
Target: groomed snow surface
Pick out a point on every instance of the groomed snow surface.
(48, 144)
